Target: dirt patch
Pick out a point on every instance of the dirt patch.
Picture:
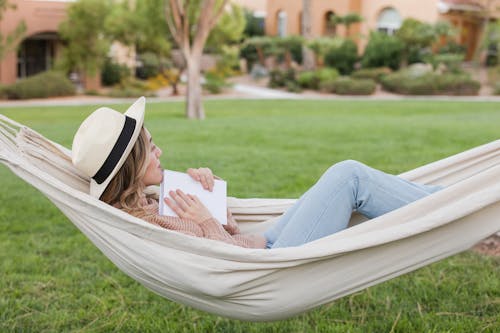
(490, 246)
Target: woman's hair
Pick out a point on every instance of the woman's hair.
(126, 188)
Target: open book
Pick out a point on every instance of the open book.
(215, 201)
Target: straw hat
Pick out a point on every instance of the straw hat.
(103, 142)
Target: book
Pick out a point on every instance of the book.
(215, 201)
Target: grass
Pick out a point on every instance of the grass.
(53, 279)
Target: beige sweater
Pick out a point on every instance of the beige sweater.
(209, 228)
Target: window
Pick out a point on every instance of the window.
(330, 26)
(282, 22)
(389, 21)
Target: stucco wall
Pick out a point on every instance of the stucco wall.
(253, 5)
(39, 16)
(294, 10)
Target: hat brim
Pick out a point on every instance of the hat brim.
(135, 111)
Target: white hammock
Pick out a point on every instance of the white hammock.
(255, 284)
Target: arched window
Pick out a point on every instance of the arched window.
(36, 54)
(282, 23)
(389, 21)
(329, 25)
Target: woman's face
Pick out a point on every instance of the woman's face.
(154, 172)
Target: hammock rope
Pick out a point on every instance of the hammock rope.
(263, 285)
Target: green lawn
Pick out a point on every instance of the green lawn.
(52, 279)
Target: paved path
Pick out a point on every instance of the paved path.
(241, 91)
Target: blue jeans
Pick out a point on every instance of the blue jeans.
(326, 207)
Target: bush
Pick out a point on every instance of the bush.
(383, 51)
(430, 84)
(371, 73)
(214, 83)
(349, 86)
(313, 79)
(112, 73)
(150, 65)
(3, 93)
(131, 88)
(279, 78)
(291, 44)
(453, 62)
(343, 58)
(293, 86)
(43, 85)
(496, 89)
(452, 47)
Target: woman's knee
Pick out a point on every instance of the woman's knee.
(347, 169)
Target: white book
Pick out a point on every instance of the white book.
(215, 201)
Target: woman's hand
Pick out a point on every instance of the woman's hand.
(204, 176)
(188, 206)
(232, 226)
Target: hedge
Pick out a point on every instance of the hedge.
(43, 85)
(313, 79)
(375, 74)
(349, 86)
(430, 84)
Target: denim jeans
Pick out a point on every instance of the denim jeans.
(326, 207)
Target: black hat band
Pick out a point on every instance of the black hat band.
(116, 153)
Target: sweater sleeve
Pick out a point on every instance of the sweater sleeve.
(212, 229)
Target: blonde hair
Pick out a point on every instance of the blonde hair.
(126, 189)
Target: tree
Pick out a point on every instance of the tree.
(347, 21)
(416, 36)
(307, 53)
(141, 25)
(87, 44)
(229, 29)
(190, 23)
(10, 40)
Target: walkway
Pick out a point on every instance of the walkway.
(241, 91)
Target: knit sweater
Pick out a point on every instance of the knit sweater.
(210, 228)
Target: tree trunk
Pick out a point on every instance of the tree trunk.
(194, 107)
(307, 53)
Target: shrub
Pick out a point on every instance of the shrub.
(293, 86)
(43, 85)
(214, 83)
(430, 84)
(313, 79)
(279, 78)
(453, 62)
(452, 47)
(371, 73)
(3, 92)
(291, 44)
(112, 73)
(321, 45)
(496, 89)
(383, 51)
(349, 86)
(150, 65)
(343, 58)
(131, 87)
(308, 80)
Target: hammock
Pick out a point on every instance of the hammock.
(262, 285)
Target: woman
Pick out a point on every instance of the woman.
(119, 155)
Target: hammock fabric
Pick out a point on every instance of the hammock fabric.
(262, 285)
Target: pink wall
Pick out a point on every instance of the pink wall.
(39, 16)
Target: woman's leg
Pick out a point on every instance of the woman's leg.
(327, 206)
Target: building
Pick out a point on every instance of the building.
(468, 16)
(41, 44)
